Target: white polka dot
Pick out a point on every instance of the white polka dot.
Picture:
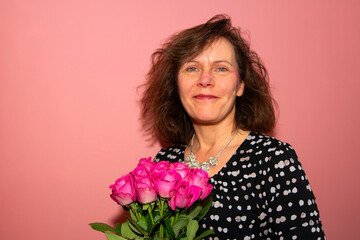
(286, 192)
(262, 216)
(281, 164)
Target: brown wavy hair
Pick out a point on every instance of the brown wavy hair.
(161, 110)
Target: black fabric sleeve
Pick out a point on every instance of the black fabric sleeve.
(291, 207)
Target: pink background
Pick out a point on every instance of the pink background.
(69, 114)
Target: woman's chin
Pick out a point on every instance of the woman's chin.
(206, 121)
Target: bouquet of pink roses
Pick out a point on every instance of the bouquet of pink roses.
(165, 201)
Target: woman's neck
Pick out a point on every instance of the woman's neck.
(209, 141)
(210, 136)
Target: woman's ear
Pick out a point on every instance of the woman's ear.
(240, 90)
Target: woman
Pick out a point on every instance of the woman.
(207, 100)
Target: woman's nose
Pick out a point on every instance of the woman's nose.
(206, 79)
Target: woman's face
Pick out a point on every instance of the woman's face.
(209, 83)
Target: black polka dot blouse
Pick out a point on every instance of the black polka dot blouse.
(261, 193)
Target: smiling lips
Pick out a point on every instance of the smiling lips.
(205, 97)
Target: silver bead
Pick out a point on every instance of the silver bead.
(197, 165)
(213, 161)
(205, 166)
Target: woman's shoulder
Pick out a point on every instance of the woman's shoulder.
(270, 151)
(174, 153)
(263, 144)
(261, 140)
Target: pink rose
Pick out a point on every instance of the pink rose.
(144, 188)
(181, 168)
(123, 191)
(147, 163)
(184, 196)
(165, 182)
(160, 166)
(200, 178)
(140, 171)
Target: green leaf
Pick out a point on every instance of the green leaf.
(138, 227)
(191, 229)
(102, 227)
(132, 214)
(145, 207)
(169, 229)
(206, 203)
(118, 228)
(126, 231)
(204, 234)
(181, 235)
(180, 224)
(147, 221)
(193, 211)
(158, 238)
(158, 220)
(136, 207)
(111, 236)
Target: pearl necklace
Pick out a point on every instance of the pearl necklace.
(192, 162)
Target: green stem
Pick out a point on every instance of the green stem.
(161, 215)
(172, 221)
(150, 214)
(176, 216)
(138, 216)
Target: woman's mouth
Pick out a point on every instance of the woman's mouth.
(205, 97)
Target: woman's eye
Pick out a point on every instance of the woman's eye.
(191, 69)
(222, 69)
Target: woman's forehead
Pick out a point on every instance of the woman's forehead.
(218, 50)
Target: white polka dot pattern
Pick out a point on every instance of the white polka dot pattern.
(261, 193)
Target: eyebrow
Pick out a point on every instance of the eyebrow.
(217, 61)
